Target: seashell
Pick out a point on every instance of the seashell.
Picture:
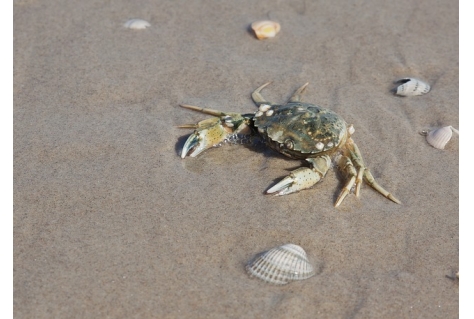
(438, 138)
(136, 24)
(411, 87)
(281, 265)
(265, 29)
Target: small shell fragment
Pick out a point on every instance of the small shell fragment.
(136, 24)
(265, 29)
(412, 87)
(438, 138)
(281, 265)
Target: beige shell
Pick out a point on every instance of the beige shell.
(136, 24)
(411, 87)
(265, 29)
(439, 137)
(280, 265)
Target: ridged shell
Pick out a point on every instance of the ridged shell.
(439, 137)
(281, 265)
(136, 24)
(265, 29)
(411, 87)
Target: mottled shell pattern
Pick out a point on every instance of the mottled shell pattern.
(265, 29)
(438, 138)
(281, 265)
(300, 130)
(412, 87)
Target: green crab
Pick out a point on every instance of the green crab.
(298, 130)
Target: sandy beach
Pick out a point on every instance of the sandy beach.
(110, 222)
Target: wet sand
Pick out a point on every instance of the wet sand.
(110, 222)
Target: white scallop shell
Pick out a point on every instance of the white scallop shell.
(411, 87)
(136, 24)
(265, 29)
(281, 265)
(439, 137)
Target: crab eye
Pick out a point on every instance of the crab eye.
(289, 144)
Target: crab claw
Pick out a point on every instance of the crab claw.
(213, 131)
(191, 143)
(299, 179)
(209, 133)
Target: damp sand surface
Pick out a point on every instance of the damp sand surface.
(110, 222)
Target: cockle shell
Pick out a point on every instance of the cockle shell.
(439, 137)
(265, 29)
(282, 264)
(136, 24)
(411, 87)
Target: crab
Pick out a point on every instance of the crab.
(297, 130)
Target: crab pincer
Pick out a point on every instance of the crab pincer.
(213, 131)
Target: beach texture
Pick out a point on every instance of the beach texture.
(110, 222)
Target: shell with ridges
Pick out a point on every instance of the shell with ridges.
(265, 29)
(281, 265)
(411, 87)
(438, 138)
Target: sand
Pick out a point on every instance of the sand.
(110, 222)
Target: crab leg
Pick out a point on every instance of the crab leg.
(348, 167)
(356, 157)
(360, 174)
(203, 110)
(258, 98)
(303, 177)
(371, 181)
(296, 97)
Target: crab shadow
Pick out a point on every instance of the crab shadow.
(178, 147)
(258, 146)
